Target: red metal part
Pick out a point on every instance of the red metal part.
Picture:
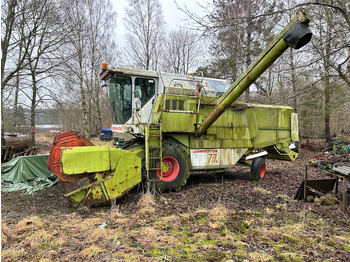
(64, 139)
(262, 171)
(171, 169)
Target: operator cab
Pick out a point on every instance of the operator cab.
(132, 93)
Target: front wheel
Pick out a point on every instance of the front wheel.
(176, 168)
(258, 169)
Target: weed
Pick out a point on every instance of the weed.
(262, 190)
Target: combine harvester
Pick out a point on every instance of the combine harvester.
(180, 124)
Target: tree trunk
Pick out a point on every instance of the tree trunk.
(84, 105)
(327, 103)
(15, 105)
(293, 80)
(32, 109)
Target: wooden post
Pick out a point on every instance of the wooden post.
(344, 196)
(305, 184)
(337, 185)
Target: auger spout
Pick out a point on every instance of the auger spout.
(295, 35)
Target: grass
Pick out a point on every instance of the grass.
(149, 233)
(235, 220)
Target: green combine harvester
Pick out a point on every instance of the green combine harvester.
(180, 123)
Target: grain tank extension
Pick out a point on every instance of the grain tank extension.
(180, 123)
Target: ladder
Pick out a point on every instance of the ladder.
(153, 150)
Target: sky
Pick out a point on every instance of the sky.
(174, 18)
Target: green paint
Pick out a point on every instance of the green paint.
(115, 170)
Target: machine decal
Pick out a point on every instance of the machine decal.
(215, 158)
(118, 128)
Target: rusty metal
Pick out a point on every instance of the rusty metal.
(16, 140)
(15, 144)
(315, 187)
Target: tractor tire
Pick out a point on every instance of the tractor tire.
(258, 169)
(176, 168)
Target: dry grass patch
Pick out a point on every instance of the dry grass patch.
(200, 211)
(6, 234)
(90, 223)
(171, 221)
(30, 223)
(260, 256)
(91, 252)
(219, 213)
(98, 233)
(149, 232)
(12, 254)
(146, 204)
(115, 213)
(39, 237)
(218, 216)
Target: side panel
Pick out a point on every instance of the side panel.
(215, 158)
(244, 127)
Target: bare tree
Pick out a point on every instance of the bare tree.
(146, 33)
(90, 28)
(40, 54)
(182, 51)
(237, 34)
(11, 17)
(29, 49)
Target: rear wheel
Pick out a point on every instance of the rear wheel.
(258, 169)
(176, 168)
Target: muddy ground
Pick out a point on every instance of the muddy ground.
(213, 218)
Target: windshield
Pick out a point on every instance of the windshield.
(120, 98)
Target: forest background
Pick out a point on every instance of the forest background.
(52, 51)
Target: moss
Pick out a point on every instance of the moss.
(222, 232)
(176, 232)
(289, 257)
(279, 246)
(46, 245)
(161, 224)
(155, 252)
(213, 255)
(285, 197)
(326, 248)
(291, 238)
(237, 224)
(258, 256)
(346, 248)
(281, 206)
(173, 251)
(209, 242)
(12, 254)
(262, 190)
(240, 253)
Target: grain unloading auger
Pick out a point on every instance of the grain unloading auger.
(180, 123)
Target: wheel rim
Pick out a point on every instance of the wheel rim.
(171, 169)
(262, 171)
